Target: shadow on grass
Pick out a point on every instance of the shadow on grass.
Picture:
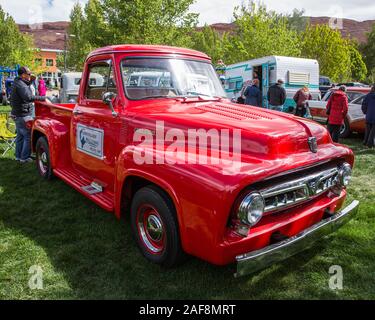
(97, 257)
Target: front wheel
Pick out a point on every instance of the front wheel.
(43, 161)
(155, 228)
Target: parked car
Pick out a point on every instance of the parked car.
(353, 84)
(354, 122)
(275, 189)
(325, 84)
(70, 83)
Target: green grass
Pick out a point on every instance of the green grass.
(85, 253)
(4, 108)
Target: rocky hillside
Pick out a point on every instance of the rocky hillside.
(50, 35)
(351, 28)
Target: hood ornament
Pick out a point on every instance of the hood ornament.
(313, 144)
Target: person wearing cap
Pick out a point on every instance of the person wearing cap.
(21, 101)
(337, 109)
(368, 108)
(276, 96)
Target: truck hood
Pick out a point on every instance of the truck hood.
(264, 133)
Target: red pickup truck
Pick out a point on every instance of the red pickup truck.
(154, 139)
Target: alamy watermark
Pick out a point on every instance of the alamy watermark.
(193, 146)
(336, 281)
(336, 21)
(36, 278)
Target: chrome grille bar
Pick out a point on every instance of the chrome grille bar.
(299, 190)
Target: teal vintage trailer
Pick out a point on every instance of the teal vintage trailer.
(295, 72)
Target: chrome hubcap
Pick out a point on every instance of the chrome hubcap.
(43, 161)
(343, 128)
(151, 229)
(154, 228)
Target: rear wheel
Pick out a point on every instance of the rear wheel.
(43, 161)
(155, 228)
(345, 130)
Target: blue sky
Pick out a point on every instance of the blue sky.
(211, 11)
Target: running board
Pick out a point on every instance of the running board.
(93, 191)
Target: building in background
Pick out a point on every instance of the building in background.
(47, 59)
(49, 39)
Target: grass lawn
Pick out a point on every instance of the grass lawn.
(85, 253)
(4, 108)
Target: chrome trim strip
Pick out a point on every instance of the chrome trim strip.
(254, 261)
(309, 187)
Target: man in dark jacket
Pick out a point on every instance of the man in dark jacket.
(368, 108)
(277, 96)
(337, 109)
(21, 100)
(253, 96)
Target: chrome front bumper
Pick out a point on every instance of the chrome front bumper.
(258, 260)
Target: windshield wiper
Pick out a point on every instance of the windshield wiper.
(200, 96)
(157, 97)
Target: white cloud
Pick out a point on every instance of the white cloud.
(32, 11)
(211, 11)
(214, 11)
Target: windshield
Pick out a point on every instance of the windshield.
(147, 78)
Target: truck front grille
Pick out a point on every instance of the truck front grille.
(299, 190)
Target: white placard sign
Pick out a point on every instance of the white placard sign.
(90, 141)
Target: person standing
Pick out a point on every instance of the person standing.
(253, 96)
(33, 88)
(21, 102)
(42, 89)
(277, 96)
(221, 68)
(300, 98)
(368, 108)
(337, 109)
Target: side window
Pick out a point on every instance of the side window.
(359, 100)
(327, 96)
(101, 80)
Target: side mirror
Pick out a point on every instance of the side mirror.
(107, 99)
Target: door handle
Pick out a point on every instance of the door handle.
(77, 112)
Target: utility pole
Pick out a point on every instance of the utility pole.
(65, 49)
(66, 37)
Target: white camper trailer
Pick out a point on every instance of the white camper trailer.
(295, 72)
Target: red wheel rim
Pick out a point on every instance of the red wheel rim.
(151, 229)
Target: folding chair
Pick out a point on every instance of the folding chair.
(7, 132)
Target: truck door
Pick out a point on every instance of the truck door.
(95, 130)
(265, 83)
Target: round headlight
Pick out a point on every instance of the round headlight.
(251, 209)
(345, 175)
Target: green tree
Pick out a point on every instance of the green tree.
(78, 40)
(330, 49)
(107, 22)
(151, 21)
(368, 51)
(16, 48)
(297, 20)
(209, 41)
(260, 33)
(357, 65)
